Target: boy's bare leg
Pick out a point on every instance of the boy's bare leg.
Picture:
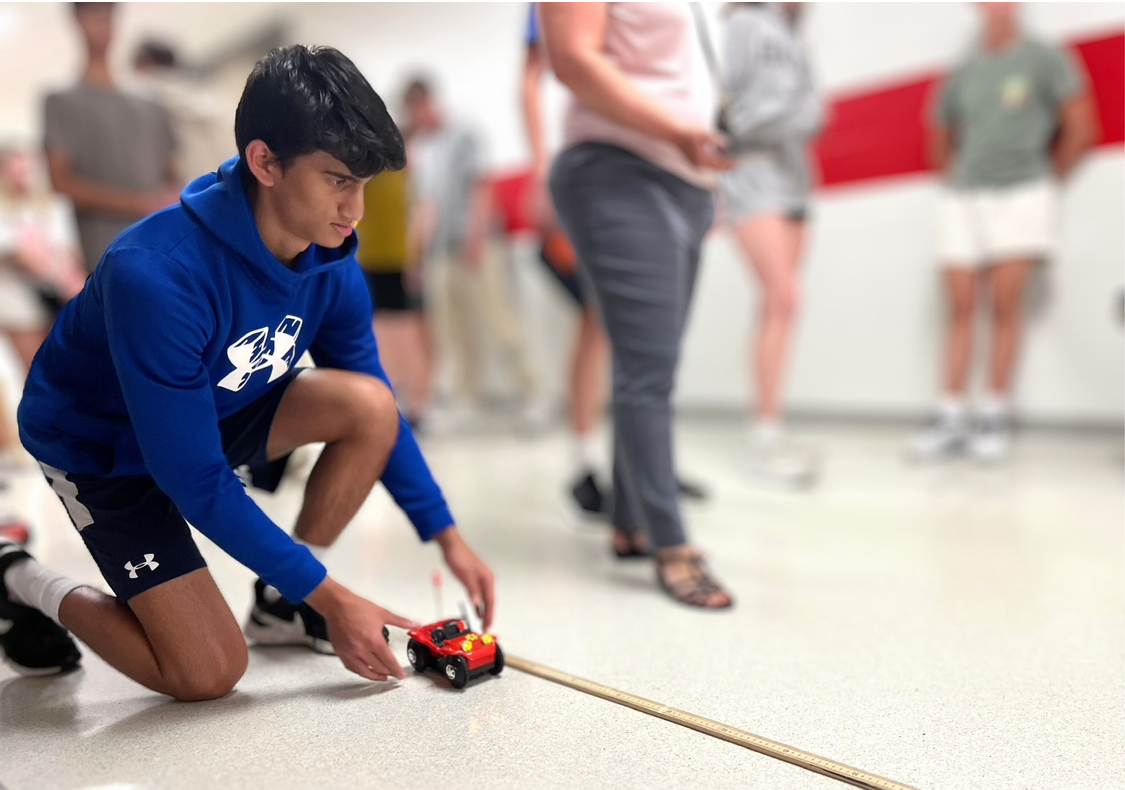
(356, 416)
(179, 638)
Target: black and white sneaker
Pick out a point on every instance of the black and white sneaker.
(589, 498)
(31, 643)
(275, 621)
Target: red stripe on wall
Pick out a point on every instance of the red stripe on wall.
(882, 133)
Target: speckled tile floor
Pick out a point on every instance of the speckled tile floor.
(947, 627)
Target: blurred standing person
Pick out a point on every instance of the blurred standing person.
(453, 214)
(632, 189)
(391, 269)
(771, 110)
(1011, 123)
(39, 265)
(109, 151)
(203, 130)
(589, 358)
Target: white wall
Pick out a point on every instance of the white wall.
(868, 338)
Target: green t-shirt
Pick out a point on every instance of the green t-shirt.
(1002, 108)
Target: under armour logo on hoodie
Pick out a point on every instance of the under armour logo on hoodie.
(252, 352)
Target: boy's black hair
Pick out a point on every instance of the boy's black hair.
(156, 52)
(417, 88)
(300, 99)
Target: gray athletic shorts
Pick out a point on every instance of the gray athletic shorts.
(774, 179)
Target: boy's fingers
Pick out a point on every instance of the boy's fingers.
(383, 659)
(361, 669)
(401, 622)
(489, 601)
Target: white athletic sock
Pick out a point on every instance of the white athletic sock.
(952, 408)
(994, 404)
(585, 451)
(34, 584)
(317, 551)
(766, 430)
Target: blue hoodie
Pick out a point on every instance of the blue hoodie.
(187, 319)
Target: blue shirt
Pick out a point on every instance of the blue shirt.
(187, 319)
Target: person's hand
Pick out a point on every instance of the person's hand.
(472, 572)
(33, 251)
(355, 629)
(412, 281)
(541, 209)
(704, 148)
(70, 282)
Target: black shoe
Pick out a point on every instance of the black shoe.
(275, 621)
(691, 490)
(589, 497)
(31, 642)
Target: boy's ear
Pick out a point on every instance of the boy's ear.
(262, 162)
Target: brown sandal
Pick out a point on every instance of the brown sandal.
(695, 589)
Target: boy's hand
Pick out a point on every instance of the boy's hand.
(473, 573)
(355, 628)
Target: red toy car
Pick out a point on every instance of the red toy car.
(450, 648)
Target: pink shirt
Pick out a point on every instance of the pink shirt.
(654, 44)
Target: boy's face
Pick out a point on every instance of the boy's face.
(318, 198)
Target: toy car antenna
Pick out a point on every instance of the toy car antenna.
(465, 616)
(435, 579)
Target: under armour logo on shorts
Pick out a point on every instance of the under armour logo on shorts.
(254, 351)
(149, 563)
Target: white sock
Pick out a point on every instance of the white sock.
(34, 584)
(994, 404)
(317, 551)
(585, 450)
(952, 408)
(766, 430)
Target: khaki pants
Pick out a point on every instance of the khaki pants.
(466, 300)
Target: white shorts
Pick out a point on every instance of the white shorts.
(979, 227)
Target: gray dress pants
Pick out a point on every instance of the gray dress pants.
(637, 230)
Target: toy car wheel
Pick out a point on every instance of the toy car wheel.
(498, 665)
(457, 672)
(416, 655)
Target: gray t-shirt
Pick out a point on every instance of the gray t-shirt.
(1002, 109)
(112, 138)
(445, 167)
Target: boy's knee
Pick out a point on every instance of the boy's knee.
(374, 405)
(210, 678)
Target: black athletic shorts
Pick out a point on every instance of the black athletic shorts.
(135, 533)
(389, 293)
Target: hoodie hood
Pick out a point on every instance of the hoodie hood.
(218, 202)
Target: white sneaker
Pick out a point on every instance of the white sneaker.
(444, 420)
(781, 462)
(991, 442)
(945, 438)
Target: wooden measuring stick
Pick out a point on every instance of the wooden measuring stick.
(779, 751)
